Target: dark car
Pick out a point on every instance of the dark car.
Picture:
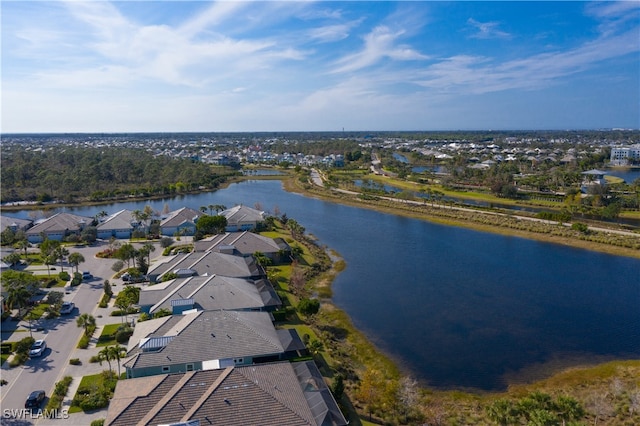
(35, 399)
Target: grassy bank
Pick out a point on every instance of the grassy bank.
(505, 224)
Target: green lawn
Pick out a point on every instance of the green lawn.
(108, 335)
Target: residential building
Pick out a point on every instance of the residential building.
(625, 155)
(246, 244)
(14, 223)
(208, 340)
(180, 222)
(277, 394)
(206, 264)
(242, 218)
(119, 225)
(57, 227)
(209, 293)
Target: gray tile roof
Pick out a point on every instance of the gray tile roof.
(7, 221)
(118, 220)
(213, 335)
(60, 222)
(242, 214)
(179, 217)
(211, 263)
(277, 394)
(212, 293)
(245, 243)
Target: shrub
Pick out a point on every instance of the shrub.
(64, 276)
(75, 361)
(84, 342)
(123, 334)
(309, 306)
(144, 317)
(580, 227)
(94, 359)
(98, 422)
(77, 279)
(104, 301)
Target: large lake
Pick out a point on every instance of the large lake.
(454, 307)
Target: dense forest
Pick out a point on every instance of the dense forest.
(69, 174)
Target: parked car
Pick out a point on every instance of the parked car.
(86, 276)
(34, 400)
(38, 348)
(67, 308)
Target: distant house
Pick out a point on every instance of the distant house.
(118, 225)
(209, 293)
(180, 222)
(277, 394)
(593, 178)
(58, 227)
(246, 244)
(207, 264)
(14, 224)
(242, 218)
(208, 340)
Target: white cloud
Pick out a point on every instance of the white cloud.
(380, 43)
(487, 30)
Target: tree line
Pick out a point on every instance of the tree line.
(75, 173)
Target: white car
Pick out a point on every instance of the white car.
(67, 308)
(38, 348)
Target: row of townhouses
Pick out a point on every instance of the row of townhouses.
(219, 359)
(123, 223)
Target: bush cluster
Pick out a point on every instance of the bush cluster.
(96, 395)
(59, 392)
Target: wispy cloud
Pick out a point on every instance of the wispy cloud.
(477, 74)
(487, 30)
(379, 44)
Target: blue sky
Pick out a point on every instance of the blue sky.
(98, 66)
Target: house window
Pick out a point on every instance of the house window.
(189, 367)
(165, 369)
(238, 360)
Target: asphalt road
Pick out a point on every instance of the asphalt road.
(61, 334)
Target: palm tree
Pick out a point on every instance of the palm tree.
(48, 261)
(219, 208)
(17, 295)
(75, 259)
(147, 248)
(117, 353)
(86, 321)
(61, 253)
(23, 245)
(106, 355)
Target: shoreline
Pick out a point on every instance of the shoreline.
(528, 376)
(447, 219)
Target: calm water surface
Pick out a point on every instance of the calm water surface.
(455, 307)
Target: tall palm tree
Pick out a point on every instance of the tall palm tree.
(85, 321)
(117, 353)
(75, 259)
(106, 355)
(61, 253)
(147, 248)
